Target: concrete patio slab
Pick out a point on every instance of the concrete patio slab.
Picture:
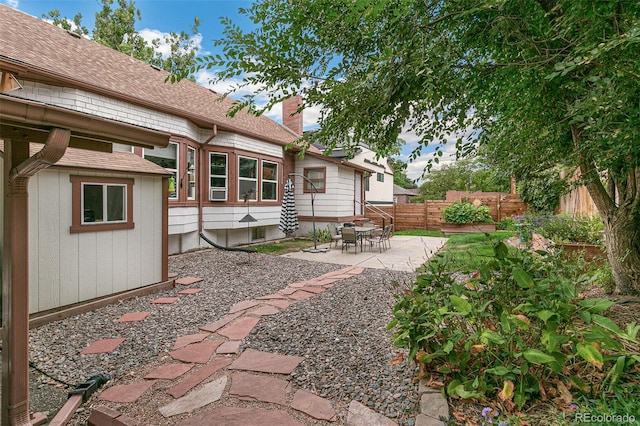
(406, 254)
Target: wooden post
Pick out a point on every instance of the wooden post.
(15, 290)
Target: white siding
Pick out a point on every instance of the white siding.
(379, 192)
(338, 198)
(67, 268)
(236, 141)
(183, 220)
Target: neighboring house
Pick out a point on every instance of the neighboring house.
(403, 195)
(378, 179)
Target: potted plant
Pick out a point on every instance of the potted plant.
(463, 217)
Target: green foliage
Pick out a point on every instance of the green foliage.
(462, 175)
(115, 28)
(542, 190)
(516, 331)
(569, 229)
(536, 83)
(462, 212)
(400, 174)
(506, 224)
(467, 252)
(322, 235)
(625, 400)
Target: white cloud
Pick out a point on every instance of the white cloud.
(165, 49)
(12, 3)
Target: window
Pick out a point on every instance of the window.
(316, 177)
(380, 177)
(167, 158)
(191, 173)
(101, 204)
(217, 177)
(269, 181)
(258, 233)
(247, 178)
(367, 178)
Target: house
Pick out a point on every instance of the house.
(403, 195)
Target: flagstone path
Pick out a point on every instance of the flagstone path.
(207, 367)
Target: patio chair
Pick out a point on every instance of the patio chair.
(378, 238)
(349, 237)
(335, 234)
(389, 234)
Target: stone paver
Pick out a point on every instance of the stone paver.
(288, 291)
(102, 346)
(234, 416)
(270, 296)
(165, 300)
(315, 290)
(230, 347)
(242, 306)
(239, 329)
(188, 280)
(266, 362)
(313, 405)
(301, 295)
(197, 352)
(183, 341)
(259, 388)
(198, 377)
(216, 325)
(434, 406)
(359, 415)
(282, 304)
(265, 310)
(126, 393)
(211, 392)
(133, 317)
(191, 291)
(169, 371)
(424, 420)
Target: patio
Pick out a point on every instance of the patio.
(405, 254)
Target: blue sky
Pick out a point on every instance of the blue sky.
(163, 16)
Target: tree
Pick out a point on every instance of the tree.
(115, 28)
(542, 82)
(462, 175)
(400, 177)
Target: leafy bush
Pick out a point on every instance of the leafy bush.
(567, 229)
(461, 212)
(516, 331)
(506, 224)
(323, 235)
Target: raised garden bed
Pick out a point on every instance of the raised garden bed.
(466, 228)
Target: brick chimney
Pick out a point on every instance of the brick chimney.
(290, 118)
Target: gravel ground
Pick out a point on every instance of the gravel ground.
(340, 332)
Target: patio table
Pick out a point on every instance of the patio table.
(362, 232)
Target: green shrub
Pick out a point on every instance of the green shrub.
(506, 224)
(323, 235)
(516, 331)
(461, 212)
(567, 229)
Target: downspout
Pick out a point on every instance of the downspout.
(15, 283)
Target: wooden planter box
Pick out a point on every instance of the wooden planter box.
(589, 252)
(466, 228)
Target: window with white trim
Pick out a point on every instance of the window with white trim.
(380, 177)
(191, 173)
(316, 178)
(247, 178)
(269, 181)
(218, 170)
(168, 158)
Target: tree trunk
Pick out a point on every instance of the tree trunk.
(622, 231)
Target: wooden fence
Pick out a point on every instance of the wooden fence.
(428, 215)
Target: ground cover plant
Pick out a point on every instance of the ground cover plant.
(515, 334)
